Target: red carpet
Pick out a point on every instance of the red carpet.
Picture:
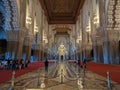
(101, 69)
(5, 75)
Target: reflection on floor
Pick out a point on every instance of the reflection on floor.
(61, 76)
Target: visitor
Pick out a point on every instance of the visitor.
(26, 63)
(78, 62)
(85, 62)
(0, 64)
(75, 64)
(13, 65)
(79, 66)
(8, 62)
(46, 65)
(22, 64)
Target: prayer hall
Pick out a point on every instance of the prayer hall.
(59, 44)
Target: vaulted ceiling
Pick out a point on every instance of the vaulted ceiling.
(61, 11)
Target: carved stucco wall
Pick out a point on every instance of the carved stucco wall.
(67, 40)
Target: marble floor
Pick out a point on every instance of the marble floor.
(60, 76)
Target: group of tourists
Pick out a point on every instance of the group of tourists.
(13, 64)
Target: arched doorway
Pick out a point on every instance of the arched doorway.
(61, 52)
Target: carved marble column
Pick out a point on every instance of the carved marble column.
(37, 52)
(15, 43)
(114, 46)
(111, 33)
(27, 46)
(21, 35)
(41, 39)
(98, 49)
(12, 43)
(80, 50)
(111, 46)
(88, 48)
(41, 50)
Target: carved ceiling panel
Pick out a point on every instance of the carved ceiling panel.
(64, 6)
(62, 11)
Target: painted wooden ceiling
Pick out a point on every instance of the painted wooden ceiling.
(62, 11)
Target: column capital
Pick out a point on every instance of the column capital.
(12, 35)
(88, 46)
(16, 35)
(111, 35)
(28, 40)
(37, 47)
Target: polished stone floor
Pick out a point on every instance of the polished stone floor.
(61, 76)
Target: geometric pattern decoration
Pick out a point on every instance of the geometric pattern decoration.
(10, 14)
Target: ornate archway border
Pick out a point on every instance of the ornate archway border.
(11, 15)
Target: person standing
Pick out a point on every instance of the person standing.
(79, 66)
(85, 62)
(46, 65)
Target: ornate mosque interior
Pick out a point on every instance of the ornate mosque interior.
(61, 31)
